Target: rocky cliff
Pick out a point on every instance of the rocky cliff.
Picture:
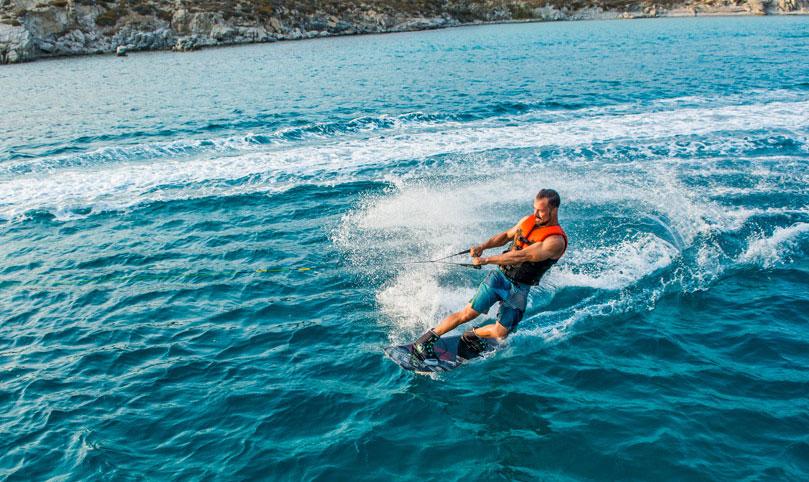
(32, 29)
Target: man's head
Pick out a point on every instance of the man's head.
(546, 206)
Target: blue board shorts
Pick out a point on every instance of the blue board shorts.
(513, 298)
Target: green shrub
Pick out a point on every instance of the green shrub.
(143, 9)
(264, 9)
(110, 17)
(228, 13)
(164, 15)
(519, 12)
(464, 14)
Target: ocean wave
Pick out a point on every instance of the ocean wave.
(190, 147)
(256, 163)
(769, 251)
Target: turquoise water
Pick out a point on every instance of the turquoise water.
(139, 195)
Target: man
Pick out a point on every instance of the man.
(537, 243)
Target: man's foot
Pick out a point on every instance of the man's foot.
(423, 348)
(471, 345)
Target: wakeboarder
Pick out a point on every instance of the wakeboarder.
(537, 243)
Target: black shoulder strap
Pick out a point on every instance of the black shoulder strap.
(525, 238)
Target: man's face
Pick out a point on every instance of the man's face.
(542, 211)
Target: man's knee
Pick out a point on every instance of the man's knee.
(492, 331)
(500, 331)
(468, 313)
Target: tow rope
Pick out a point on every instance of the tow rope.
(7, 283)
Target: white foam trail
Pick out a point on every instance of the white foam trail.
(128, 184)
(555, 332)
(614, 267)
(138, 153)
(251, 141)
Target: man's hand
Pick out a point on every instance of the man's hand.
(476, 251)
(478, 261)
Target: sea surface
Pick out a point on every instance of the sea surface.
(142, 197)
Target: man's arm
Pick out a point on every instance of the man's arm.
(495, 241)
(551, 247)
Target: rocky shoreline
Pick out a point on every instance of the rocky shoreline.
(34, 29)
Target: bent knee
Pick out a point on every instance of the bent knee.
(501, 331)
(469, 313)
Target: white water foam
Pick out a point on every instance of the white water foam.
(769, 251)
(614, 267)
(231, 144)
(338, 158)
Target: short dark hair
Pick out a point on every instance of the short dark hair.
(551, 195)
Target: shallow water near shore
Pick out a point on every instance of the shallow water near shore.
(139, 195)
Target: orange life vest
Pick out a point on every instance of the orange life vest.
(527, 234)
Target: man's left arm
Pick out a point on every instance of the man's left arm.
(550, 247)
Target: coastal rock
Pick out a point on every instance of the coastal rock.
(790, 6)
(47, 22)
(549, 13)
(30, 29)
(294, 34)
(180, 21)
(78, 37)
(499, 14)
(276, 25)
(199, 23)
(255, 34)
(16, 44)
(189, 43)
(593, 13)
(71, 43)
(374, 21)
(757, 7)
(422, 23)
(342, 27)
(184, 44)
(133, 38)
(204, 22)
(224, 33)
(316, 24)
(45, 46)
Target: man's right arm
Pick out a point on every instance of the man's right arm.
(494, 241)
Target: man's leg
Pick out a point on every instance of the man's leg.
(507, 320)
(473, 342)
(456, 319)
(423, 347)
(485, 297)
(492, 331)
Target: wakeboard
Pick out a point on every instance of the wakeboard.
(451, 353)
